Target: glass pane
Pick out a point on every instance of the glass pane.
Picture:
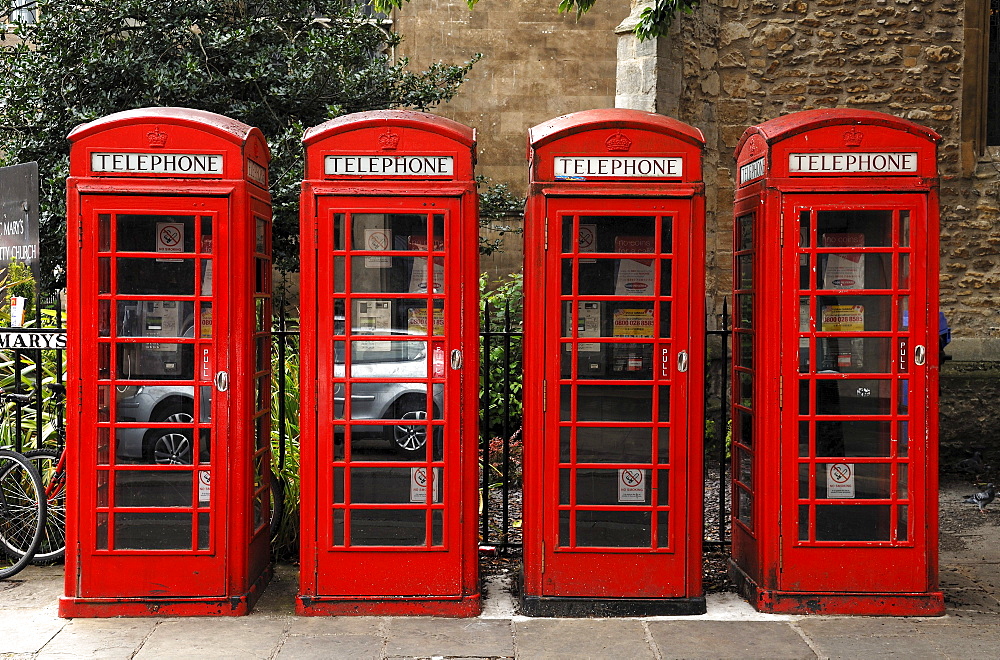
(805, 228)
(617, 444)
(613, 529)
(392, 274)
(388, 231)
(744, 507)
(159, 361)
(902, 525)
(744, 225)
(745, 431)
(853, 437)
(153, 531)
(803, 522)
(744, 304)
(904, 313)
(863, 481)
(104, 275)
(744, 470)
(103, 446)
(380, 358)
(854, 313)
(393, 527)
(663, 529)
(339, 231)
(744, 268)
(616, 233)
(663, 448)
(903, 487)
(164, 234)
(564, 528)
(903, 447)
(744, 357)
(103, 361)
(853, 523)
(338, 527)
(904, 272)
(155, 276)
(855, 271)
(871, 355)
(804, 439)
(206, 235)
(851, 228)
(623, 486)
(394, 485)
(853, 397)
(155, 318)
(663, 488)
(204, 531)
(904, 229)
(614, 403)
(153, 488)
(104, 232)
(103, 488)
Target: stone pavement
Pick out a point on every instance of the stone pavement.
(969, 576)
(29, 628)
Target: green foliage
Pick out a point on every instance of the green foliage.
(497, 202)
(654, 21)
(280, 65)
(286, 539)
(505, 298)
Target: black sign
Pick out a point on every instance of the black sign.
(19, 216)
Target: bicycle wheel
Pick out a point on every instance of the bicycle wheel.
(53, 545)
(22, 512)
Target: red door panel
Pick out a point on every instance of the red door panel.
(153, 422)
(615, 485)
(389, 458)
(853, 445)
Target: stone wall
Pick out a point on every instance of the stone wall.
(537, 64)
(747, 61)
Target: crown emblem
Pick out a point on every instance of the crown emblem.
(618, 142)
(388, 141)
(157, 138)
(853, 137)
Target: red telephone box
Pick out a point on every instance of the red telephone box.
(390, 375)
(835, 365)
(169, 367)
(613, 350)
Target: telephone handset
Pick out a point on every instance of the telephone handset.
(152, 319)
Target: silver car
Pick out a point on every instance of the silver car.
(403, 402)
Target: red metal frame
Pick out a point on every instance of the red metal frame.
(850, 350)
(600, 167)
(341, 574)
(227, 563)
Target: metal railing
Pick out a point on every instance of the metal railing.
(500, 422)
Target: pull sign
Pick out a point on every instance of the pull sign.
(682, 362)
(665, 363)
(438, 362)
(222, 381)
(206, 365)
(919, 355)
(456, 359)
(904, 357)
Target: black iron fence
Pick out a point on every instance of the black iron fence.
(32, 417)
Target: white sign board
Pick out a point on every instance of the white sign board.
(840, 481)
(631, 485)
(583, 167)
(752, 170)
(25, 339)
(156, 163)
(418, 485)
(389, 165)
(863, 163)
(204, 487)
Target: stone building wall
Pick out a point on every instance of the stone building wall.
(747, 61)
(537, 64)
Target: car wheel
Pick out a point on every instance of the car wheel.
(404, 434)
(170, 446)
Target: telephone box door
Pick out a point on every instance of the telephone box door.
(389, 369)
(854, 477)
(616, 481)
(155, 461)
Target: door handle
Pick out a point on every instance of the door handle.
(222, 381)
(456, 358)
(682, 361)
(919, 355)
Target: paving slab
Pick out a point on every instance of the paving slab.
(423, 637)
(542, 639)
(32, 588)
(28, 630)
(337, 625)
(728, 639)
(101, 639)
(215, 637)
(863, 637)
(333, 647)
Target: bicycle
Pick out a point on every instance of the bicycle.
(22, 512)
(51, 466)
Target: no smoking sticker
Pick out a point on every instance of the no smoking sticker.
(840, 481)
(378, 240)
(631, 485)
(418, 485)
(169, 237)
